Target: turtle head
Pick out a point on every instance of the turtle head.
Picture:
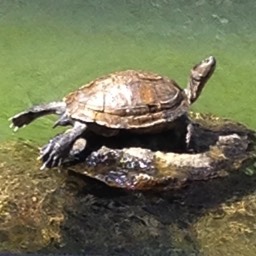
(199, 75)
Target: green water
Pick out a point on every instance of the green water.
(50, 47)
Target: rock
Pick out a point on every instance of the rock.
(58, 211)
(219, 147)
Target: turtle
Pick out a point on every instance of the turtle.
(134, 101)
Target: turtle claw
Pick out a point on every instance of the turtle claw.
(43, 167)
(54, 153)
(16, 128)
(18, 122)
(59, 162)
(51, 163)
(45, 149)
(12, 126)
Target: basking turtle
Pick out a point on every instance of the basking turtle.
(134, 101)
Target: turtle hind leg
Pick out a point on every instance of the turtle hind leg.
(26, 117)
(58, 148)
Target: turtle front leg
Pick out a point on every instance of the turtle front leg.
(26, 117)
(60, 146)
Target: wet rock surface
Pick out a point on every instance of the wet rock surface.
(217, 150)
(64, 211)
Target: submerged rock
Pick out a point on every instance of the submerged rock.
(219, 147)
(65, 212)
(30, 213)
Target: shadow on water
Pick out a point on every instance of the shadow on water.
(104, 220)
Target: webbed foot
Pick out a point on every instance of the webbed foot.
(54, 153)
(26, 117)
(58, 149)
(21, 120)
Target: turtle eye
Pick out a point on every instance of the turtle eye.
(207, 60)
(210, 60)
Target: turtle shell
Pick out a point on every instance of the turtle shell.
(128, 100)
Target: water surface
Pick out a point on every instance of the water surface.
(49, 48)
